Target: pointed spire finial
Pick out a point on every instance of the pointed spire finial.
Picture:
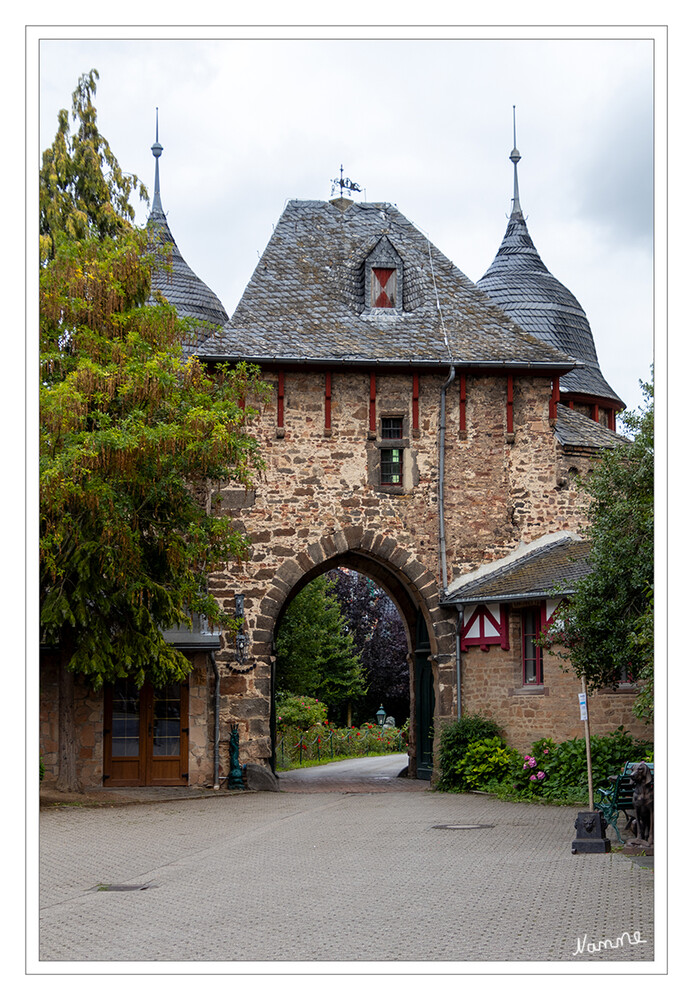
(515, 157)
(157, 150)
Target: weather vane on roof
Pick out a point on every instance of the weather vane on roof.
(344, 182)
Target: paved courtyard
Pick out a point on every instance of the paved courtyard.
(364, 869)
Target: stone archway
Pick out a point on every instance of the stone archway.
(415, 592)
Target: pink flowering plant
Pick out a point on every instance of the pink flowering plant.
(530, 775)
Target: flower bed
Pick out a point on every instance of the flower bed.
(323, 743)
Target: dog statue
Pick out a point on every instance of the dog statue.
(643, 804)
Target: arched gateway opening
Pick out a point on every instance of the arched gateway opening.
(414, 591)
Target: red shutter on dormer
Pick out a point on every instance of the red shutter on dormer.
(383, 287)
(484, 625)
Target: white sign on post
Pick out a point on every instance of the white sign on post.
(582, 698)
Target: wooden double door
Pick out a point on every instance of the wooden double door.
(145, 734)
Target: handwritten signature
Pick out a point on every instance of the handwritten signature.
(583, 945)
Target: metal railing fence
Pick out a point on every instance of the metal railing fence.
(295, 747)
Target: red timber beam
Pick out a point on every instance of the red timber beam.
(555, 396)
(463, 403)
(280, 400)
(328, 401)
(371, 407)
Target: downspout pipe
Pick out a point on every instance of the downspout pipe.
(215, 668)
(458, 660)
(441, 479)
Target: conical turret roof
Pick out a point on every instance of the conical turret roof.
(179, 284)
(520, 283)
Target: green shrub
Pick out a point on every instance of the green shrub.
(486, 762)
(555, 773)
(455, 739)
(296, 711)
(42, 769)
(567, 767)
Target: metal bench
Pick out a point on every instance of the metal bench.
(619, 797)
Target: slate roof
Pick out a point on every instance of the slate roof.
(575, 430)
(306, 300)
(179, 284)
(534, 572)
(520, 283)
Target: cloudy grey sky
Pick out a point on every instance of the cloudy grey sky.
(422, 122)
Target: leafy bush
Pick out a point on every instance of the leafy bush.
(555, 773)
(485, 762)
(455, 739)
(296, 711)
(567, 765)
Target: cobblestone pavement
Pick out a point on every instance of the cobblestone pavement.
(343, 875)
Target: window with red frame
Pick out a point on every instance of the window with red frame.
(532, 659)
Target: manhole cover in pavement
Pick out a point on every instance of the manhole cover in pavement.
(464, 826)
(123, 888)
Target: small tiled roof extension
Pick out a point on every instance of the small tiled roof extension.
(532, 573)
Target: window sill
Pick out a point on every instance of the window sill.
(391, 489)
(378, 313)
(399, 443)
(530, 689)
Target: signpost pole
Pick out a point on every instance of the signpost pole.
(584, 714)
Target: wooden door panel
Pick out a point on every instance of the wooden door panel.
(145, 735)
(167, 730)
(123, 735)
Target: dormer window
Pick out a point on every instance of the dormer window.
(383, 287)
(383, 278)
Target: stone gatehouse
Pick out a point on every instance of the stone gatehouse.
(423, 430)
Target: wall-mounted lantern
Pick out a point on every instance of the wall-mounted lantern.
(242, 641)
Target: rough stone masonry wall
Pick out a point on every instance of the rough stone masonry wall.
(492, 686)
(88, 718)
(318, 498)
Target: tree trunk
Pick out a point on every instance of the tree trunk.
(67, 739)
(349, 714)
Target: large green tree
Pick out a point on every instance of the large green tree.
(82, 189)
(380, 640)
(316, 655)
(131, 431)
(606, 629)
